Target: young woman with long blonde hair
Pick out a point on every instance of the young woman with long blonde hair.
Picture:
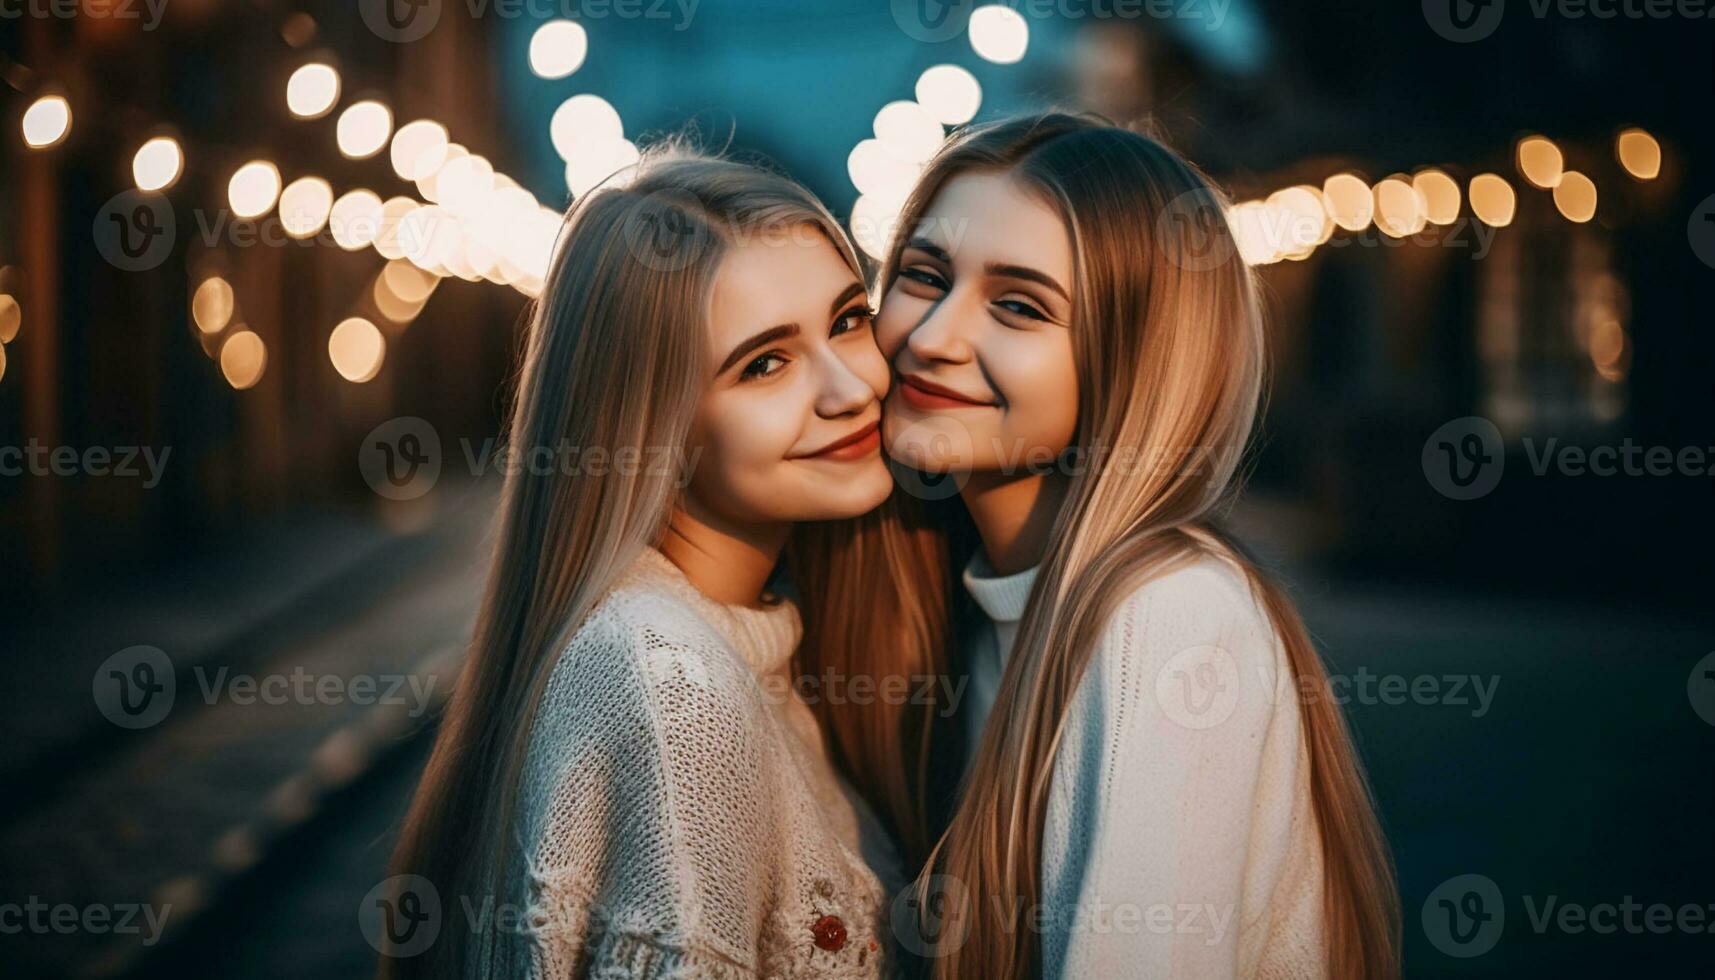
(1156, 781)
(626, 783)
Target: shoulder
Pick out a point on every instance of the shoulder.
(644, 666)
(658, 641)
(1209, 598)
(1194, 644)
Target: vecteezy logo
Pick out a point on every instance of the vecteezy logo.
(135, 687)
(934, 923)
(672, 664)
(1700, 688)
(400, 459)
(1198, 687)
(664, 231)
(1463, 459)
(134, 231)
(1193, 233)
(400, 21)
(1463, 21)
(1701, 230)
(931, 458)
(932, 21)
(401, 917)
(1464, 916)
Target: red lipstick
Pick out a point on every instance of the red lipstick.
(927, 396)
(855, 446)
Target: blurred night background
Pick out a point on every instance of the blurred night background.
(238, 236)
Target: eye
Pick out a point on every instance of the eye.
(856, 318)
(1019, 307)
(927, 277)
(761, 366)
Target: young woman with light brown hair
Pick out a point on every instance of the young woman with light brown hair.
(1156, 781)
(626, 783)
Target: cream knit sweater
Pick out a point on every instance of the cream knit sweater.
(683, 820)
(1179, 841)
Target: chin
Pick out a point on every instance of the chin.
(857, 490)
(930, 443)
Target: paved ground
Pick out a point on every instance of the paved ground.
(1551, 749)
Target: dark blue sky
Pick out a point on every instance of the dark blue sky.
(802, 95)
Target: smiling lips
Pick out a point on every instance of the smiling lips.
(855, 446)
(921, 393)
(927, 396)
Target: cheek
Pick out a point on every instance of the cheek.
(742, 437)
(1039, 383)
(899, 313)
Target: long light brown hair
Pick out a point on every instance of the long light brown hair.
(615, 358)
(1168, 340)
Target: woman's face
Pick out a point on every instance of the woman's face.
(977, 327)
(789, 429)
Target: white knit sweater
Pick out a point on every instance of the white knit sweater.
(683, 820)
(1179, 840)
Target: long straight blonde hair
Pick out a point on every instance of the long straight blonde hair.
(1168, 340)
(615, 358)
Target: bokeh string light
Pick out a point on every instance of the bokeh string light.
(47, 122)
(157, 164)
(471, 221)
(312, 91)
(1401, 207)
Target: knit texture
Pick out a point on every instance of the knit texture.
(682, 820)
(1180, 840)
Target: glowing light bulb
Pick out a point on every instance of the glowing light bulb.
(584, 120)
(1440, 195)
(211, 305)
(1575, 196)
(419, 148)
(876, 169)
(950, 93)
(305, 205)
(1540, 161)
(1400, 210)
(557, 49)
(592, 165)
(1639, 153)
(1492, 200)
(312, 91)
(873, 223)
(253, 189)
(243, 358)
(1349, 201)
(355, 219)
(157, 164)
(909, 130)
(46, 122)
(999, 34)
(363, 129)
(357, 348)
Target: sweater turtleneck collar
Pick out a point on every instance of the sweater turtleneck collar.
(1001, 597)
(765, 636)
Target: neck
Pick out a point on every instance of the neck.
(1013, 515)
(729, 563)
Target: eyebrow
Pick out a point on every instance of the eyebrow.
(762, 339)
(846, 295)
(994, 268)
(925, 245)
(785, 330)
(1028, 274)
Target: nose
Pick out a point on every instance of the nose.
(840, 391)
(940, 336)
